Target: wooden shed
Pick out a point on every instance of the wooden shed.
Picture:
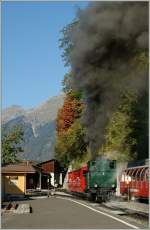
(17, 178)
(53, 169)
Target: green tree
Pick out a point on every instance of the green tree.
(70, 145)
(66, 42)
(66, 83)
(11, 144)
(139, 126)
(126, 136)
(118, 143)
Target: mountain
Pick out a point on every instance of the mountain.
(11, 113)
(38, 125)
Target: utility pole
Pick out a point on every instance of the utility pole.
(49, 183)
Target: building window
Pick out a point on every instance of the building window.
(13, 177)
(13, 180)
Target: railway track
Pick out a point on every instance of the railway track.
(15, 208)
(122, 208)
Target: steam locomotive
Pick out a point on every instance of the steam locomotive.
(96, 180)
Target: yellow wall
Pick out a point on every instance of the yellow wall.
(12, 185)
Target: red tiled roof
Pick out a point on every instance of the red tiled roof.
(21, 168)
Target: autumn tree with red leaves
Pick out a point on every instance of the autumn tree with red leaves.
(70, 111)
(70, 139)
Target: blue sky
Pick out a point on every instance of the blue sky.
(32, 67)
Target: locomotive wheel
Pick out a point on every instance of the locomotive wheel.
(98, 199)
(91, 196)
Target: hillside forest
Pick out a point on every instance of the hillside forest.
(105, 111)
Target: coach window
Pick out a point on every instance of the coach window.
(147, 175)
(142, 174)
(138, 174)
(133, 175)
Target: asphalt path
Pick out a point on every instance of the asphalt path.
(64, 213)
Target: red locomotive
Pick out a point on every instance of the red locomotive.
(134, 181)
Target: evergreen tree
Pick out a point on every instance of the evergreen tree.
(11, 145)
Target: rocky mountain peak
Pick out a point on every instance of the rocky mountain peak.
(39, 127)
(11, 113)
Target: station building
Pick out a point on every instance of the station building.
(20, 178)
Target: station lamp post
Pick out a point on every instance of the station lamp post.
(127, 180)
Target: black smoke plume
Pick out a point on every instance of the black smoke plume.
(105, 41)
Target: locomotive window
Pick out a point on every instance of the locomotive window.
(112, 164)
(93, 163)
